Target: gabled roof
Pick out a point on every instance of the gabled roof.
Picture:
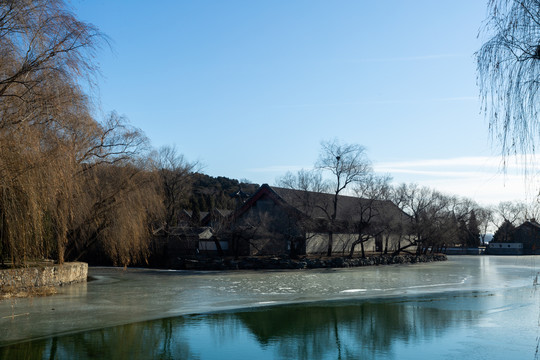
(215, 214)
(265, 191)
(222, 212)
(203, 232)
(531, 224)
(320, 205)
(316, 205)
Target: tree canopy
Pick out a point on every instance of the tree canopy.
(68, 182)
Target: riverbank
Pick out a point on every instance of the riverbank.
(272, 263)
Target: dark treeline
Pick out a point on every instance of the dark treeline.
(218, 192)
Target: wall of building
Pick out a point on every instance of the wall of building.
(505, 249)
(529, 235)
(317, 243)
(464, 251)
(210, 245)
(40, 276)
(267, 230)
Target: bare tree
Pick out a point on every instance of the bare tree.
(309, 185)
(368, 219)
(485, 217)
(39, 38)
(430, 218)
(466, 231)
(513, 212)
(347, 164)
(508, 65)
(255, 233)
(174, 171)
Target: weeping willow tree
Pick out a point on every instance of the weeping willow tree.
(67, 181)
(114, 213)
(44, 51)
(508, 65)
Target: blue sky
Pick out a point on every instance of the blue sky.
(251, 88)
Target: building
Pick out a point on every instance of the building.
(505, 249)
(528, 234)
(276, 221)
(169, 244)
(523, 240)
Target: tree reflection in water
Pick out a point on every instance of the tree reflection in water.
(340, 330)
(364, 330)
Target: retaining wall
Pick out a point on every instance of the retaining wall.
(45, 275)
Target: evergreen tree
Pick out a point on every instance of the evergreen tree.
(504, 233)
(463, 233)
(196, 212)
(196, 217)
(473, 231)
(209, 192)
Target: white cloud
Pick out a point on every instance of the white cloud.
(459, 161)
(487, 180)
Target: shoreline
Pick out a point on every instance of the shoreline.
(285, 263)
(42, 280)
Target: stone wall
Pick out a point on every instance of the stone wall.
(42, 276)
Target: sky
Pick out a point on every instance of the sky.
(250, 88)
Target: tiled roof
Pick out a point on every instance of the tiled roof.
(320, 205)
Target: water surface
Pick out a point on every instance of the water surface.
(478, 307)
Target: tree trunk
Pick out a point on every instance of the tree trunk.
(356, 242)
(404, 248)
(330, 243)
(61, 250)
(218, 246)
(235, 245)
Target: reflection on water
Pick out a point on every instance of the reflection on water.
(365, 330)
(468, 307)
(384, 329)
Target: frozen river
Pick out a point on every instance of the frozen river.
(474, 306)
